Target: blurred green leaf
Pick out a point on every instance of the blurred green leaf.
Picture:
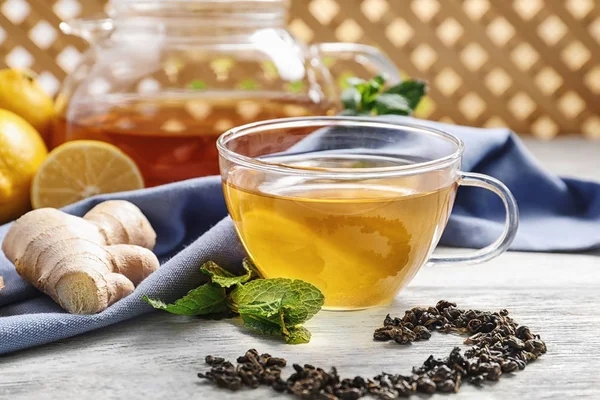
(351, 98)
(380, 79)
(356, 82)
(413, 91)
(394, 104)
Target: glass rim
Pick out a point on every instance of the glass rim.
(337, 173)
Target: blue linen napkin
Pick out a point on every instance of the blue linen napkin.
(190, 218)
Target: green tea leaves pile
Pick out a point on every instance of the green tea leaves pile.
(371, 98)
(500, 347)
(270, 306)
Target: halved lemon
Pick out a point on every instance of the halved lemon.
(80, 169)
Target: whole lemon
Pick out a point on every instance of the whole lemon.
(21, 94)
(22, 150)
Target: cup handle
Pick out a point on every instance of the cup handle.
(510, 227)
(362, 54)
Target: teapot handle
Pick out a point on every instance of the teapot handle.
(363, 55)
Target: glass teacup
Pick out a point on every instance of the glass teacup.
(354, 206)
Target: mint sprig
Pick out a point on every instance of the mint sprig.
(371, 98)
(276, 306)
(205, 300)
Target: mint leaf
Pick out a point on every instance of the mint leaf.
(301, 303)
(298, 335)
(207, 299)
(351, 98)
(356, 82)
(281, 302)
(223, 277)
(299, 300)
(261, 325)
(392, 104)
(380, 79)
(353, 113)
(249, 266)
(374, 86)
(226, 279)
(270, 306)
(401, 99)
(413, 91)
(212, 269)
(268, 310)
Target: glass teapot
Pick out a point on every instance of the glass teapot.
(162, 79)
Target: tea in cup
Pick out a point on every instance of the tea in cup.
(353, 206)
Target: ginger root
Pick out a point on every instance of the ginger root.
(84, 264)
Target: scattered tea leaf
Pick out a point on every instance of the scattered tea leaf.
(500, 346)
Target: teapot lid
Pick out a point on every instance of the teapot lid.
(184, 6)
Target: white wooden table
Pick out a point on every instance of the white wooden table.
(157, 356)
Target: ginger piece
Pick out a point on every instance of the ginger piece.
(84, 264)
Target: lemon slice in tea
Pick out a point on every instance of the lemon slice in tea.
(80, 169)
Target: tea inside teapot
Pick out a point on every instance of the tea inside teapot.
(164, 78)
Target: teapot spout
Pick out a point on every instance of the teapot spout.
(91, 30)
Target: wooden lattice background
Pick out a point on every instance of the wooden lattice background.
(531, 65)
